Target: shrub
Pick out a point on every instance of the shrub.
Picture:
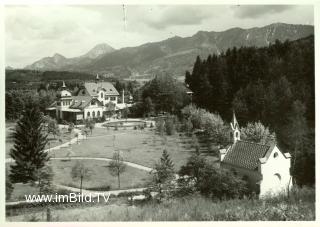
(169, 126)
(221, 183)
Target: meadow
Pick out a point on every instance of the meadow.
(298, 207)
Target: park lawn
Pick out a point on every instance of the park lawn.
(65, 137)
(100, 177)
(53, 141)
(143, 147)
(20, 190)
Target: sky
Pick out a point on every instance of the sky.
(34, 32)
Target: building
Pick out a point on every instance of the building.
(264, 166)
(105, 92)
(94, 100)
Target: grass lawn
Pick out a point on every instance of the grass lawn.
(54, 141)
(100, 178)
(299, 207)
(20, 190)
(139, 146)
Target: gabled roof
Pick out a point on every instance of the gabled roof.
(246, 154)
(94, 88)
(80, 102)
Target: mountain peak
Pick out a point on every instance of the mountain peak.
(98, 50)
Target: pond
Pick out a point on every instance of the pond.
(125, 123)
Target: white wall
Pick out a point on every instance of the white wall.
(92, 109)
(274, 168)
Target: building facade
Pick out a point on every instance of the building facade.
(264, 166)
(93, 101)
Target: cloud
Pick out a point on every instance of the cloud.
(246, 11)
(178, 15)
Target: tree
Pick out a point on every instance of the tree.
(77, 136)
(163, 176)
(9, 186)
(193, 168)
(45, 176)
(297, 130)
(220, 183)
(90, 124)
(53, 127)
(257, 133)
(29, 145)
(117, 166)
(125, 113)
(160, 126)
(149, 106)
(188, 127)
(70, 127)
(166, 94)
(80, 172)
(169, 125)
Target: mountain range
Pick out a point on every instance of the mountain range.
(173, 56)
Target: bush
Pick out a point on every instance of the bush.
(221, 183)
(169, 126)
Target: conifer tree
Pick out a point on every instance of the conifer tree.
(163, 177)
(29, 145)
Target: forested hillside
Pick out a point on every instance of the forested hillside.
(274, 85)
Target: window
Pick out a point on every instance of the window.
(88, 114)
(112, 98)
(98, 113)
(275, 154)
(101, 94)
(277, 179)
(93, 114)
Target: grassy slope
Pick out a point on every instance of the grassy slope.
(300, 206)
(142, 147)
(100, 177)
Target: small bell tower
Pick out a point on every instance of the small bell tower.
(63, 85)
(235, 128)
(97, 78)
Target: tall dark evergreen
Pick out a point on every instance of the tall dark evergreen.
(29, 145)
(264, 84)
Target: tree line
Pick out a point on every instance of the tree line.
(273, 85)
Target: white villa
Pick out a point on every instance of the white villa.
(95, 100)
(265, 167)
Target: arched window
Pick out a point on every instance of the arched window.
(88, 114)
(98, 113)
(93, 114)
(277, 179)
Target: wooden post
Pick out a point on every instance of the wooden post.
(48, 214)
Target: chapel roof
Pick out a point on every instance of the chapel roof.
(246, 154)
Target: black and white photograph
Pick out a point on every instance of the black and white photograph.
(158, 112)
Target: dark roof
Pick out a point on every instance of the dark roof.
(80, 102)
(94, 88)
(246, 154)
